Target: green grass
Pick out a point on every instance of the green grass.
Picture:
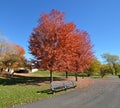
(99, 76)
(55, 74)
(19, 90)
(42, 73)
(47, 73)
(95, 76)
(62, 74)
(20, 94)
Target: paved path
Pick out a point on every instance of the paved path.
(105, 93)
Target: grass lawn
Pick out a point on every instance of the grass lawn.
(20, 90)
(19, 94)
(95, 76)
(47, 73)
(26, 89)
(55, 74)
(62, 74)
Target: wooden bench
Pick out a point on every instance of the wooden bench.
(59, 86)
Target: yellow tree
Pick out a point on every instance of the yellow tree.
(11, 55)
(95, 67)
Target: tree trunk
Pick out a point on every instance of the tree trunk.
(8, 69)
(66, 74)
(51, 77)
(115, 70)
(76, 78)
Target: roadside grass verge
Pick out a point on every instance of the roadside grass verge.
(20, 90)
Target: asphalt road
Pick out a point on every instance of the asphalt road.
(104, 93)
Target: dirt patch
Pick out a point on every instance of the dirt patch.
(82, 82)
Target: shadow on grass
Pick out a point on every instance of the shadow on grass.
(26, 80)
(47, 91)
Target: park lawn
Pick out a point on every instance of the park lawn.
(47, 73)
(19, 90)
(95, 76)
(19, 94)
(14, 93)
(63, 74)
(55, 74)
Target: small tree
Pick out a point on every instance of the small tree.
(105, 69)
(112, 60)
(95, 66)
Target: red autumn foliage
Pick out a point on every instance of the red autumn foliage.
(60, 46)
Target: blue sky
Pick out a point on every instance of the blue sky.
(100, 18)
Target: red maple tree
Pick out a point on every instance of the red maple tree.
(84, 54)
(56, 45)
